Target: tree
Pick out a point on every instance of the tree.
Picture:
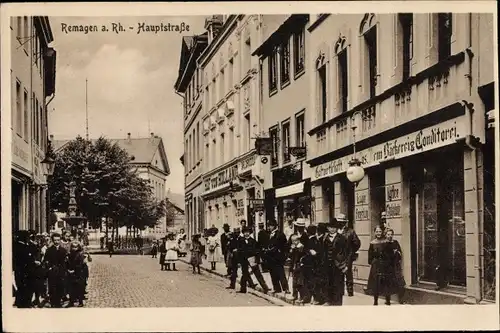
(106, 185)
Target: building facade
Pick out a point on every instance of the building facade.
(399, 92)
(232, 177)
(189, 86)
(33, 88)
(284, 89)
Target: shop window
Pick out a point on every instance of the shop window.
(444, 35)
(285, 131)
(285, 63)
(299, 51)
(440, 227)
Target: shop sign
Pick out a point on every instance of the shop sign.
(240, 208)
(393, 192)
(247, 163)
(361, 213)
(427, 139)
(221, 178)
(362, 197)
(256, 204)
(393, 209)
(20, 155)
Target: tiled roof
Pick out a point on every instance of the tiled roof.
(177, 199)
(142, 149)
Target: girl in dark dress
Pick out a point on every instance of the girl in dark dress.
(76, 274)
(381, 258)
(196, 254)
(398, 270)
(163, 252)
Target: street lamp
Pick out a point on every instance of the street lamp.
(355, 173)
(48, 165)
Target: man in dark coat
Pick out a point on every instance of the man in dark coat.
(262, 241)
(335, 262)
(23, 265)
(311, 263)
(276, 254)
(224, 245)
(248, 251)
(320, 271)
(56, 261)
(353, 245)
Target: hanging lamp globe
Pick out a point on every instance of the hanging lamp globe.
(355, 173)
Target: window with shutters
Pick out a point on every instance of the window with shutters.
(444, 35)
(285, 63)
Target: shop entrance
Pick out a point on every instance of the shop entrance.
(437, 219)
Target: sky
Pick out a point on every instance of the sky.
(131, 80)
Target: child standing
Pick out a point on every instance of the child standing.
(172, 256)
(196, 253)
(154, 249)
(213, 249)
(297, 254)
(76, 275)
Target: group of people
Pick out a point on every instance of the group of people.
(49, 269)
(320, 260)
(170, 247)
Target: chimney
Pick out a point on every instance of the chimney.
(213, 24)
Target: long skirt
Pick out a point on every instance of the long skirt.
(213, 256)
(171, 256)
(162, 258)
(382, 280)
(196, 258)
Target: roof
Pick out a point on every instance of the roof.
(142, 149)
(177, 200)
(191, 47)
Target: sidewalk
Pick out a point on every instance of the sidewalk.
(221, 271)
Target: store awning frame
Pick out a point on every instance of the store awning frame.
(290, 190)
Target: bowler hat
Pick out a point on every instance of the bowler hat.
(335, 224)
(236, 230)
(247, 229)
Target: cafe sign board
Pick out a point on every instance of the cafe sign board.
(427, 139)
(247, 163)
(221, 178)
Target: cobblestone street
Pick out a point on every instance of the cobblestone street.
(137, 281)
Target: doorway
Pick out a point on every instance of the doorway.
(437, 218)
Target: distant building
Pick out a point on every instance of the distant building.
(151, 163)
(32, 75)
(179, 221)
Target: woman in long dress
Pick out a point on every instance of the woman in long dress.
(196, 253)
(171, 257)
(181, 241)
(381, 258)
(213, 249)
(398, 270)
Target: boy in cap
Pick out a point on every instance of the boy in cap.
(335, 262)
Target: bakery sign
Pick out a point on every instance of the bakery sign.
(221, 178)
(427, 139)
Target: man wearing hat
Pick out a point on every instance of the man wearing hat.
(335, 262)
(276, 254)
(262, 241)
(23, 265)
(320, 272)
(248, 251)
(224, 242)
(300, 227)
(353, 245)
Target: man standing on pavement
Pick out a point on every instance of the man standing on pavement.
(56, 260)
(320, 273)
(224, 242)
(276, 254)
(353, 245)
(311, 263)
(248, 251)
(23, 265)
(262, 241)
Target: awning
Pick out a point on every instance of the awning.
(290, 190)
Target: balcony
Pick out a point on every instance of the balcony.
(429, 91)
